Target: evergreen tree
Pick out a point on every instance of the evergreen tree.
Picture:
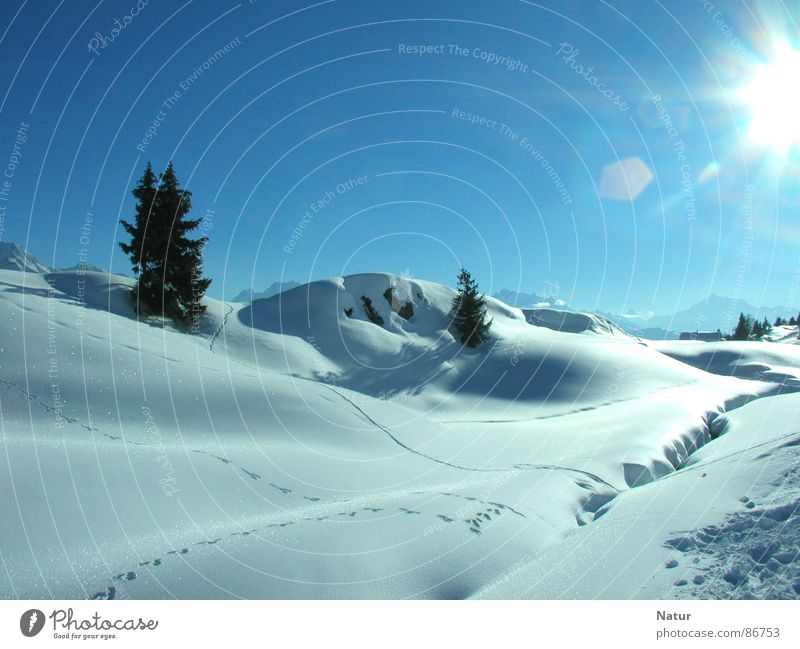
(779, 322)
(168, 263)
(757, 329)
(140, 249)
(766, 327)
(742, 331)
(469, 312)
(793, 321)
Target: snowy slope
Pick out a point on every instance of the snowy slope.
(725, 526)
(787, 334)
(762, 361)
(288, 449)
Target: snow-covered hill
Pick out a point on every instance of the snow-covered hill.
(307, 446)
(573, 322)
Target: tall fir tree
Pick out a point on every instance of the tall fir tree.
(139, 249)
(469, 312)
(168, 263)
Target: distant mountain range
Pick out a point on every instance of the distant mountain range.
(14, 257)
(274, 289)
(715, 312)
(527, 300)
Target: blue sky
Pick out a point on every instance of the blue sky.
(411, 98)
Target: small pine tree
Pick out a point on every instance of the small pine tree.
(766, 328)
(757, 330)
(742, 331)
(793, 321)
(779, 322)
(469, 312)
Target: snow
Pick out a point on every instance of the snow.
(727, 525)
(290, 450)
(573, 322)
(762, 361)
(788, 334)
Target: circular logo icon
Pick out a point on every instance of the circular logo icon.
(31, 622)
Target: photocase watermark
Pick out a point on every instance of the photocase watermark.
(510, 63)
(318, 205)
(31, 622)
(569, 55)
(725, 28)
(83, 264)
(474, 118)
(102, 41)
(551, 290)
(66, 626)
(679, 148)
(168, 482)
(522, 141)
(172, 100)
(794, 286)
(744, 258)
(56, 402)
(13, 161)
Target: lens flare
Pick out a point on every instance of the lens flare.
(773, 96)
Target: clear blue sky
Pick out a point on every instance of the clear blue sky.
(309, 96)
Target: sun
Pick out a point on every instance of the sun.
(773, 96)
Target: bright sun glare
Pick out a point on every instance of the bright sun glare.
(773, 96)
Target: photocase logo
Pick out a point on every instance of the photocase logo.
(31, 622)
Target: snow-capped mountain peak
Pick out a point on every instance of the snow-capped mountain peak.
(14, 257)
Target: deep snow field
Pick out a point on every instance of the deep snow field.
(288, 450)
